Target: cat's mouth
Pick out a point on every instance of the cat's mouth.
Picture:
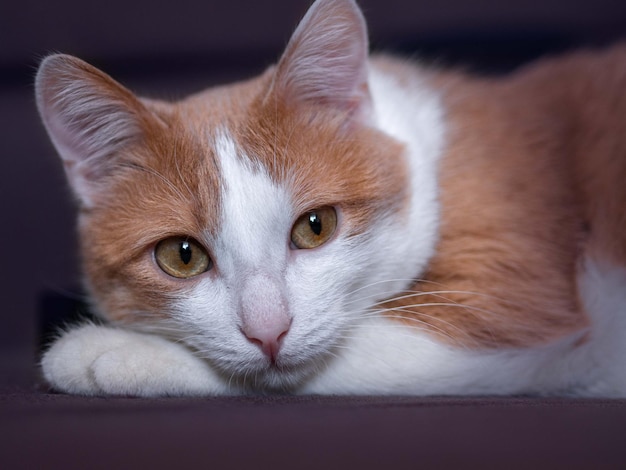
(281, 374)
(272, 378)
(252, 367)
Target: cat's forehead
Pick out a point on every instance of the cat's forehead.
(255, 209)
(225, 105)
(235, 147)
(293, 144)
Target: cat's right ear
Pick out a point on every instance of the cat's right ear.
(326, 60)
(89, 117)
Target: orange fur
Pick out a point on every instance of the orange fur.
(534, 176)
(360, 171)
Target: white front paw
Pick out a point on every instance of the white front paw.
(98, 360)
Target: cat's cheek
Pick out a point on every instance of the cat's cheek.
(317, 282)
(137, 292)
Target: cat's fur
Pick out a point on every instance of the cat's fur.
(481, 238)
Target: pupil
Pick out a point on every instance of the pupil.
(315, 223)
(185, 252)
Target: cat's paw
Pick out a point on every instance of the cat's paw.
(98, 360)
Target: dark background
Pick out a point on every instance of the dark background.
(168, 49)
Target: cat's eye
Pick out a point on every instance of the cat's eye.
(314, 228)
(182, 257)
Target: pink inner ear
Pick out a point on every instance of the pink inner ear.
(326, 60)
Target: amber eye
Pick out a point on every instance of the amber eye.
(181, 257)
(314, 228)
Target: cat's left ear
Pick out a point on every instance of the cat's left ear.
(89, 117)
(326, 60)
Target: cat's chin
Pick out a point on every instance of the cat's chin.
(263, 376)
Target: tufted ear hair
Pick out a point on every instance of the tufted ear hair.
(89, 118)
(326, 60)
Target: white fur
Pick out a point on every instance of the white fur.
(599, 365)
(412, 113)
(251, 249)
(97, 360)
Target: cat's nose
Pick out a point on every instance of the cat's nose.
(268, 335)
(264, 313)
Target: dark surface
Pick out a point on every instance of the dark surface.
(39, 430)
(162, 50)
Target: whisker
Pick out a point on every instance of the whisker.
(460, 292)
(414, 313)
(428, 326)
(387, 281)
(407, 308)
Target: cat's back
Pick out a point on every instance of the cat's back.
(555, 129)
(581, 99)
(592, 101)
(531, 178)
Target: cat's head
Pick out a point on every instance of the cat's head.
(255, 221)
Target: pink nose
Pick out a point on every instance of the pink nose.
(268, 336)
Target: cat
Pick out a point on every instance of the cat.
(347, 224)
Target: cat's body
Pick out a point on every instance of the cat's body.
(460, 235)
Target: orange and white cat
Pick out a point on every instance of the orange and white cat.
(346, 224)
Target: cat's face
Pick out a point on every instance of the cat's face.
(282, 217)
(254, 222)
